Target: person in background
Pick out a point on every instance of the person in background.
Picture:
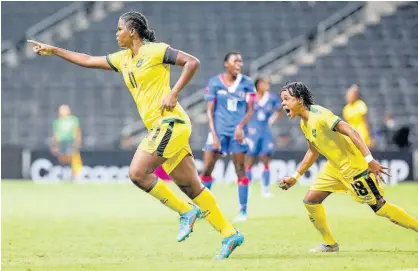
(66, 140)
(355, 114)
(230, 96)
(267, 109)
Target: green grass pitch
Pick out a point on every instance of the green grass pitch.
(73, 227)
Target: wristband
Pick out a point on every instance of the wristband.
(296, 175)
(369, 158)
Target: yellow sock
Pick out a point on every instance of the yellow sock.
(211, 212)
(316, 213)
(166, 196)
(398, 216)
(76, 163)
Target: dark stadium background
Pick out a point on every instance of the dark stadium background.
(327, 45)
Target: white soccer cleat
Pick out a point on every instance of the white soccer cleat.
(325, 248)
(241, 217)
(266, 193)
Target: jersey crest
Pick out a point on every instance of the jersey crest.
(139, 63)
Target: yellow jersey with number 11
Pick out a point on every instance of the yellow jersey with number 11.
(148, 80)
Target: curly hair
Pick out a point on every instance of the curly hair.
(300, 90)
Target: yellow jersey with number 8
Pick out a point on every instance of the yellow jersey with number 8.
(148, 80)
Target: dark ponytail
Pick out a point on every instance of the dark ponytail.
(137, 21)
(149, 35)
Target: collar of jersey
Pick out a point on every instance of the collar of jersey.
(264, 100)
(232, 88)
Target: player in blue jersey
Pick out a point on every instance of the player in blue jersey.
(260, 138)
(230, 96)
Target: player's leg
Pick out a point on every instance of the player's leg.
(365, 189)
(251, 156)
(249, 163)
(267, 149)
(395, 214)
(160, 173)
(243, 181)
(210, 156)
(266, 175)
(141, 174)
(316, 213)
(209, 160)
(65, 156)
(325, 183)
(76, 163)
(185, 176)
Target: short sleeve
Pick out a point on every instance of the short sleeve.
(159, 50)
(362, 107)
(250, 92)
(114, 60)
(210, 94)
(330, 121)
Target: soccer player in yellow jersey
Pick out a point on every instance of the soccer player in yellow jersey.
(355, 114)
(145, 67)
(350, 166)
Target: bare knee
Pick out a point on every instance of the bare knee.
(315, 197)
(239, 169)
(209, 163)
(308, 201)
(138, 176)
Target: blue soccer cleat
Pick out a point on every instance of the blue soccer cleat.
(187, 221)
(229, 244)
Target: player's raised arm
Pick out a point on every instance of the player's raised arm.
(310, 157)
(374, 167)
(83, 60)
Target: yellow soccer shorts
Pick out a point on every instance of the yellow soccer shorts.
(363, 187)
(170, 140)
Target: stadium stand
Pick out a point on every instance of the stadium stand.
(383, 61)
(12, 13)
(208, 30)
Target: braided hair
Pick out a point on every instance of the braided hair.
(136, 20)
(300, 90)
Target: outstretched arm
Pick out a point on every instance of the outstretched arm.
(310, 157)
(83, 60)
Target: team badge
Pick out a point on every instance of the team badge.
(139, 63)
(314, 132)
